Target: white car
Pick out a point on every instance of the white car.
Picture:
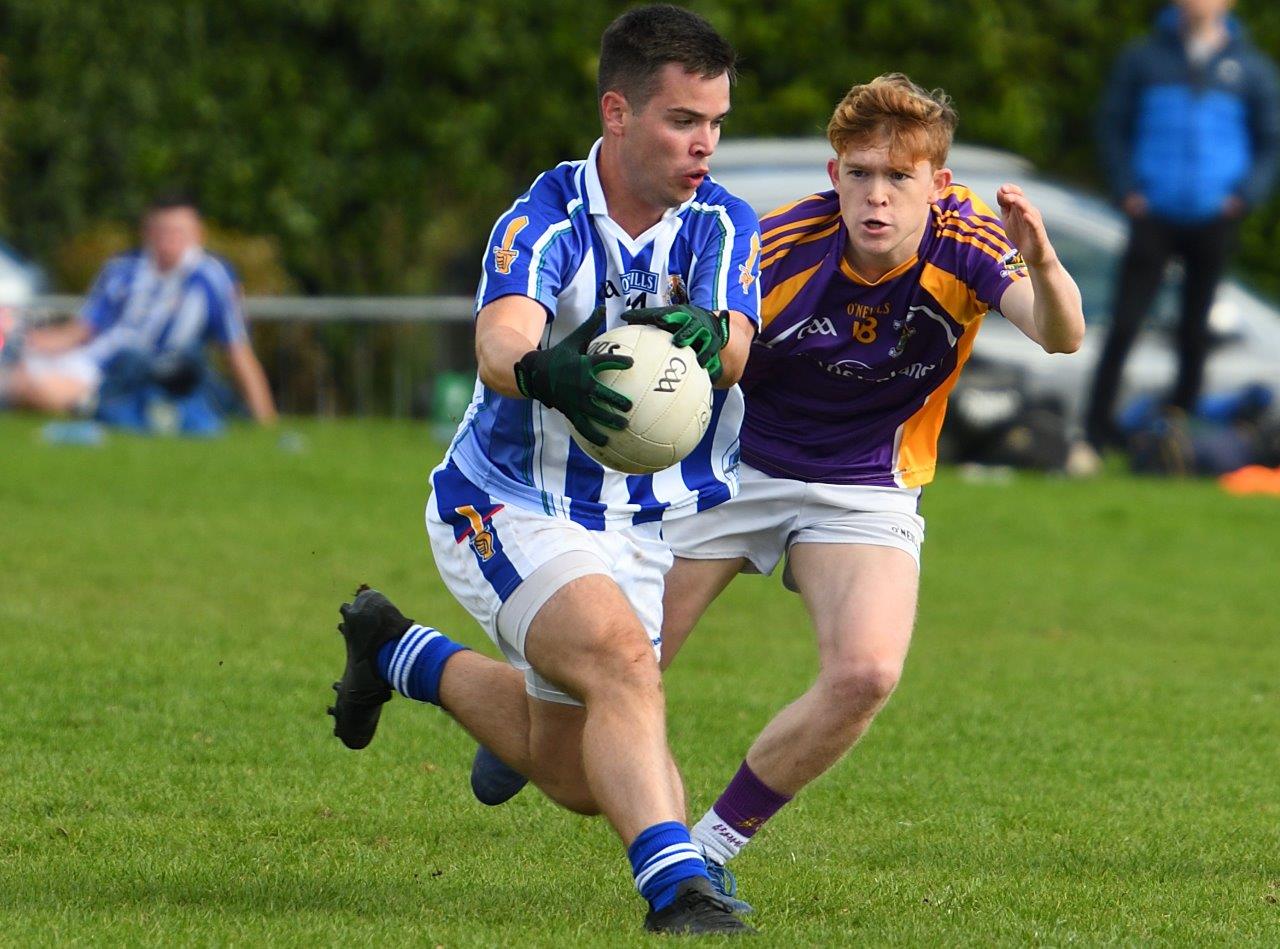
(1089, 237)
(19, 280)
(19, 283)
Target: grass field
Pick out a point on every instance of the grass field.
(1084, 749)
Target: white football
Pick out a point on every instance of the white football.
(670, 401)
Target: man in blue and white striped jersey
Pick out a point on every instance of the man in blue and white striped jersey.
(559, 559)
(149, 315)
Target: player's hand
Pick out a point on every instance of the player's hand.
(1134, 205)
(704, 331)
(1024, 226)
(1233, 207)
(564, 378)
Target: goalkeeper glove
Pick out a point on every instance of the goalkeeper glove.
(564, 378)
(706, 332)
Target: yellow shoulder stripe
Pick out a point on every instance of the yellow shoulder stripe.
(777, 299)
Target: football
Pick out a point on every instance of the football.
(670, 401)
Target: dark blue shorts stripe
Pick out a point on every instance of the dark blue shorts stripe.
(452, 492)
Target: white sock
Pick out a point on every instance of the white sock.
(716, 839)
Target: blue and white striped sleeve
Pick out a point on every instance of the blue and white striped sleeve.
(226, 324)
(726, 274)
(102, 305)
(529, 253)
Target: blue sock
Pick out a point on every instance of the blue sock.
(413, 664)
(662, 857)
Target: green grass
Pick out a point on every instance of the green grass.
(1083, 750)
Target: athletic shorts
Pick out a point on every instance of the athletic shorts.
(770, 514)
(74, 363)
(503, 563)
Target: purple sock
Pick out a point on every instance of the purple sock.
(740, 811)
(748, 802)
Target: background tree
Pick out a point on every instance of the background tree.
(374, 142)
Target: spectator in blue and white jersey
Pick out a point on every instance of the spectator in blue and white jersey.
(560, 560)
(145, 322)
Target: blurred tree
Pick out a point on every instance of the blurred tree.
(376, 141)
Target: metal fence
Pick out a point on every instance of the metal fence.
(329, 356)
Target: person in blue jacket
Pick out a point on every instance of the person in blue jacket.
(1190, 137)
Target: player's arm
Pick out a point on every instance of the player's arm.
(562, 377)
(101, 308)
(223, 299)
(252, 381)
(1047, 307)
(733, 354)
(506, 329)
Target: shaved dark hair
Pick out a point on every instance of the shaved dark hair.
(639, 43)
(172, 200)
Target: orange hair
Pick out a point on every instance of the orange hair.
(916, 123)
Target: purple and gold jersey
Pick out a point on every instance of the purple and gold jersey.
(848, 380)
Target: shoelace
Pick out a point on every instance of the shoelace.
(705, 905)
(722, 878)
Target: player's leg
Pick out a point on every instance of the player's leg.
(596, 640)
(587, 640)
(50, 392)
(746, 533)
(689, 588)
(493, 705)
(387, 651)
(861, 599)
(502, 564)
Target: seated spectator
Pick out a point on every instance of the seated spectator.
(140, 338)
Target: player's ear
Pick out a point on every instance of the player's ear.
(614, 110)
(941, 182)
(833, 172)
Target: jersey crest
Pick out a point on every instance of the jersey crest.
(480, 532)
(746, 269)
(504, 255)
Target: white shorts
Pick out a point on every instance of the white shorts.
(503, 563)
(74, 363)
(770, 514)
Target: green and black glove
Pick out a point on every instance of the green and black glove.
(704, 331)
(564, 378)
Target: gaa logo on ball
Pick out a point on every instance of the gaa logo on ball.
(670, 401)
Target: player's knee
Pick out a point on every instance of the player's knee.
(636, 671)
(863, 684)
(621, 659)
